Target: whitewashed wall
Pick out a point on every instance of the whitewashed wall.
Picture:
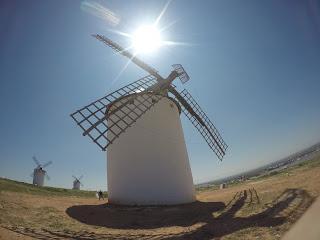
(38, 177)
(76, 185)
(148, 164)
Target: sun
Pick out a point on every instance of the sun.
(146, 39)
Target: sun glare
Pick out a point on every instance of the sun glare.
(146, 39)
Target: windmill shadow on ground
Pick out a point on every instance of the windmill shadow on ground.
(290, 204)
(292, 201)
(117, 217)
(121, 217)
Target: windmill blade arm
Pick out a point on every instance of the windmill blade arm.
(80, 177)
(105, 122)
(129, 55)
(92, 118)
(201, 122)
(36, 160)
(125, 115)
(47, 176)
(47, 164)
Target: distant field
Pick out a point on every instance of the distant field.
(260, 208)
(20, 187)
(314, 161)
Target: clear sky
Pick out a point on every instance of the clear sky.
(254, 68)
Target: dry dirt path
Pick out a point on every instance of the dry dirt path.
(261, 209)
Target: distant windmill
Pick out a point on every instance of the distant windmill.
(39, 173)
(147, 159)
(77, 183)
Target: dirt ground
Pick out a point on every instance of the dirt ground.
(260, 209)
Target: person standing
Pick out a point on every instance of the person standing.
(100, 194)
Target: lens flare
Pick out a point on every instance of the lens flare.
(146, 39)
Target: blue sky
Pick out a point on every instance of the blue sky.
(254, 68)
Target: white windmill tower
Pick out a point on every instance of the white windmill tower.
(39, 173)
(77, 183)
(147, 159)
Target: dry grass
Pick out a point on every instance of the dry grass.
(232, 213)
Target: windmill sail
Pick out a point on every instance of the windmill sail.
(107, 118)
(201, 122)
(182, 74)
(47, 164)
(47, 176)
(129, 55)
(36, 161)
(132, 101)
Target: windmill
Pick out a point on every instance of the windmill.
(77, 183)
(39, 173)
(147, 159)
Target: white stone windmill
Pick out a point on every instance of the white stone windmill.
(39, 173)
(147, 159)
(77, 183)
